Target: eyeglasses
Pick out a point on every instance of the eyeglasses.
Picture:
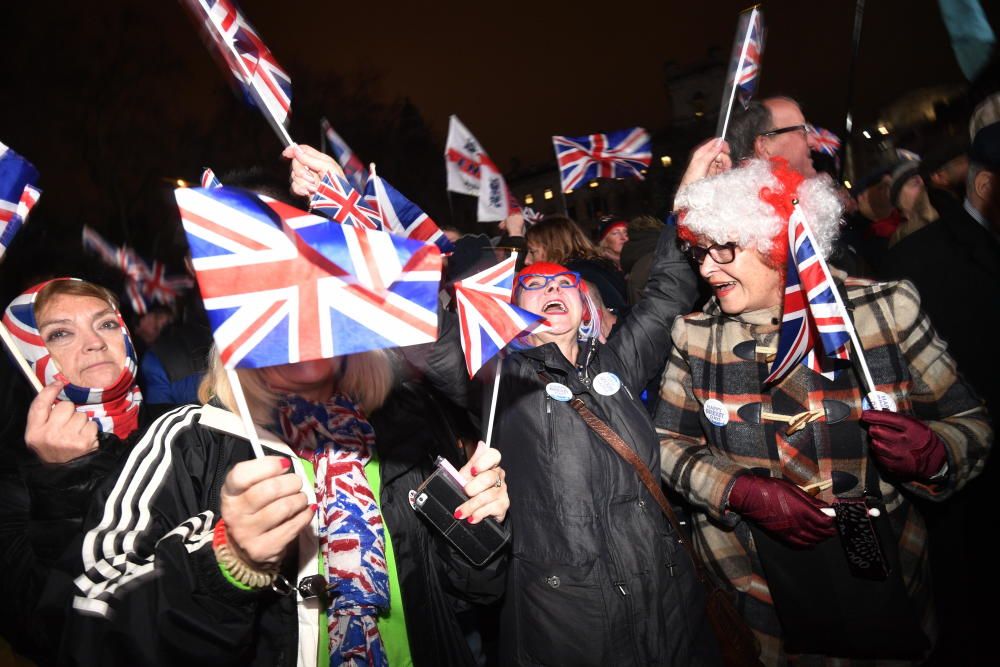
(783, 130)
(721, 254)
(535, 281)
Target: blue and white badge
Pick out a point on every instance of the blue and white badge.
(559, 392)
(715, 411)
(607, 384)
(879, 400)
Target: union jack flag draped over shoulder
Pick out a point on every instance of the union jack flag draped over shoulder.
(812, 311)
(620, 154)
(749, 65)
(282, 286)
(338, 201)
(487, 319)
(402, 217)
(264, 81)
(349, 161)
(18, 194)
(145, 283)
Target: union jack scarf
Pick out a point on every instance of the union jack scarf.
(115, 408)
(338, 440)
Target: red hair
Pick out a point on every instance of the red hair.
(782, 201)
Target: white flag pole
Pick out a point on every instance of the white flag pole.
(848, 324)
(739, 69)
(241, 404)
(22, 363)
(493, 401)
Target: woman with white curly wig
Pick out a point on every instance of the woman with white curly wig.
(792, 478)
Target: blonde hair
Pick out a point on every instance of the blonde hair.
(562, 239)
(72, 287)
(367, 378)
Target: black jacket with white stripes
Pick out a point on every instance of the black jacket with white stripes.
(152, 592)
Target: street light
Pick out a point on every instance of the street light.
(529, 199)
(593, 184)
(548, 194)
(666, 160)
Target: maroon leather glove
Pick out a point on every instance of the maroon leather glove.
(782, 509)
(904, 446)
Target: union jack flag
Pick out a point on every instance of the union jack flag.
(18, 194)
(824, 140)
(402, 217)
(749, 65)
(352, 165)
(246, 55)
(486, 318)
(209, 180)
(282, 286)
(144, 283)
(812, 308)
(612, 155)
(338, 201)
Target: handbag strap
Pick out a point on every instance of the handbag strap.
(608, 435)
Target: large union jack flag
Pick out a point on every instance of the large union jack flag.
(18, 194)
(267, 85)
(282, 286)
(749, 65)
(486, 318)
(812, 309)
(402, 217)
(349, 161)
(617, 154)
(338, 201)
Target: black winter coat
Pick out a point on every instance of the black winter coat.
(596, 576)
(168, 603)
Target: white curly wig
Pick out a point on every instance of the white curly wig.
(742, 206)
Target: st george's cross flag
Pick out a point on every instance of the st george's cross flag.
(18, 194)
(471, 172)
(620, 154)
(402, 217)
(496, 201)
(487, 319)
(282, 286)
(812, 311)
(253, 66)
(348, 160)
(337, 200)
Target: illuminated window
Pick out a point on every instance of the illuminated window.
(548, 194)
(847, 184)
(866, 135)
(529, 199)
(666, 160)
(883, 130)
(593, 184)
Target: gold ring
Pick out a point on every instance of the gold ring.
(499, 482)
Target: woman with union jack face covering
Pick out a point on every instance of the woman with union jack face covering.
(767, 428)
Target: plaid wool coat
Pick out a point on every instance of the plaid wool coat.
(716, 356)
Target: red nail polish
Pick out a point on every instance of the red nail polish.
(474, 472)
(470, 520)
(286, 464)
(458, 514)
(314, 507)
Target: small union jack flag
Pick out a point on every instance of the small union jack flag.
(402, 217)
(248, 58)
(349, 161)
(487, 320)
(209, 180)
(624, 153)
(812, 309)
(144, 283)
(282, 286)
(749, 65)
(824, 141)
(18, 194)
(338, 201)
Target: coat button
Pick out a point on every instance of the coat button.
(642, 504)
(552, 581)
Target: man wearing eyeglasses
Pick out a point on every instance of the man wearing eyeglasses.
(773, 128)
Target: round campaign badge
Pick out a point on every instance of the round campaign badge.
(879, 400)
(715, 411)
(607, 384)
(560, 392)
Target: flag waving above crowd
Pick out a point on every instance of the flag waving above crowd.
(282, 286)
(472, 172)
(621, 154)
(338, 201)
(402, 217)
(18, 194)
(249, 60)
(744, 65)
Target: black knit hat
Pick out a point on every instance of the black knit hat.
(900, 175)
(986, 148)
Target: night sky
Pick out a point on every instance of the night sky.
(111, 99)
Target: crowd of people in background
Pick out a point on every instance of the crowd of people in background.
(138, 527)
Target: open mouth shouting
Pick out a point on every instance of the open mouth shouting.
(554, 306)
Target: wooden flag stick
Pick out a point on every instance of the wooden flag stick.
(22, 363)
(241, 403)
